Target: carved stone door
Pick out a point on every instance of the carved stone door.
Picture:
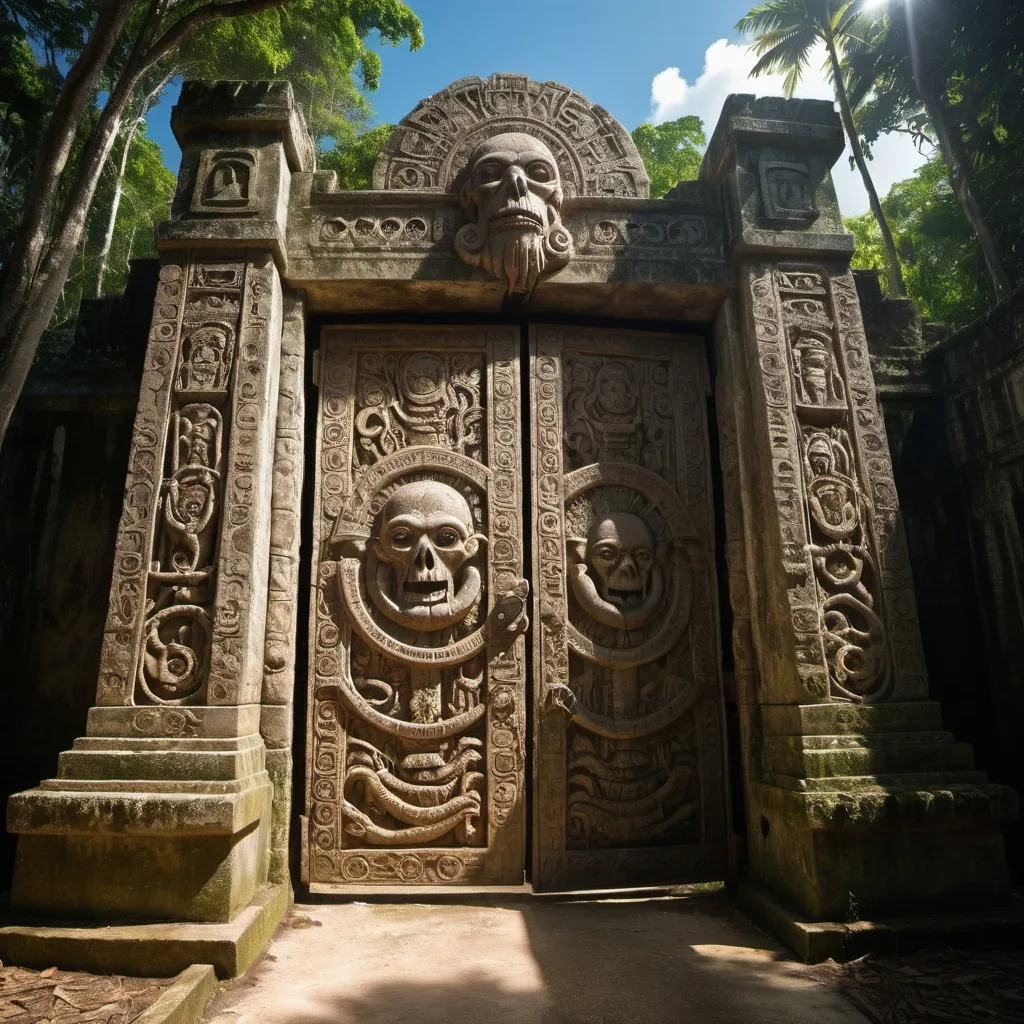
(629, 768)
(418, 704)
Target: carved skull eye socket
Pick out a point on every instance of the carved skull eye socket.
(644, 558)
(490, 172)
(540, 171)
(606, 553)
(401, 539)
(446, 538)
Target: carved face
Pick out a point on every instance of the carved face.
(616, 389)
(620, 553)
(513, 197)
(423, 378)
(426, 537)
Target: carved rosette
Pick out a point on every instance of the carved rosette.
(630, 773)
(850, 592)
(176, 603)
(417, 673)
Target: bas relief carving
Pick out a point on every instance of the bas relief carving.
(178, 631)
(512, 199)
(593, 152)
(825, 429)
(184, 542)
(628, 783)
(418, 712)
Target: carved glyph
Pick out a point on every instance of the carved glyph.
(417, 710)
(177, 603)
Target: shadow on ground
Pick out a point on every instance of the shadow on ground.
(670, 959)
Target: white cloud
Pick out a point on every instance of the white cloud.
(727, 70)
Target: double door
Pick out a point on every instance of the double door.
(513, 636)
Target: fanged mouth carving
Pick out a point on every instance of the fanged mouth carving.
(517, 217)
(625, 598)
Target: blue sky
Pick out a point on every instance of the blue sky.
(645, 60)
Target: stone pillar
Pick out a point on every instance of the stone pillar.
(164, 809)
(857, 802)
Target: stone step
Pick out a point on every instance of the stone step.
(836, 718)
(160, 764)
(825, 757)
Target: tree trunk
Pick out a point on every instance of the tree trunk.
(31, 291)
(897, 289)
(958, 160)
(51, 159)
(115, 203)
(108, 236)
(48, 236)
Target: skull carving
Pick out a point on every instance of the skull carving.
(421, 578)
(513, 196)
(616, 580)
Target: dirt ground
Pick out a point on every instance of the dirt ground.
(67, 997)
(665, 960)
(965, 986)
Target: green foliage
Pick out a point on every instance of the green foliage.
(942, 262)
(786, 31)
(28, 91)
(670, 151)
(353, 161)
(318, 45)
(870, 254)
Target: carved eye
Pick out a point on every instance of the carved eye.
(606, 554)
(401, 539)
(446, 538)
(489, 172)
(643, 557)
(540, 171)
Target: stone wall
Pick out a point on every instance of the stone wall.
(61, 488)
(954, 412)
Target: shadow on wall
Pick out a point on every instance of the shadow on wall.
(62, 469)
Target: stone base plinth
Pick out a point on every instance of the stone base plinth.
(874, 810)
(150, 950)
(145, 830)
(814, 941)
(892, 848)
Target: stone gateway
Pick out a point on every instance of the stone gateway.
(581, 469)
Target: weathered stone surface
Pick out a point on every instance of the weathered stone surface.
(853, 792)
(628, 720)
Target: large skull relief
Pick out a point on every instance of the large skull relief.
(615, 580)
(422, 578)
(513, 197)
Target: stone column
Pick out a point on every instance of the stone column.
(163, 810)
(857, 802)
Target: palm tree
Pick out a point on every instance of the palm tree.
(785, 32)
